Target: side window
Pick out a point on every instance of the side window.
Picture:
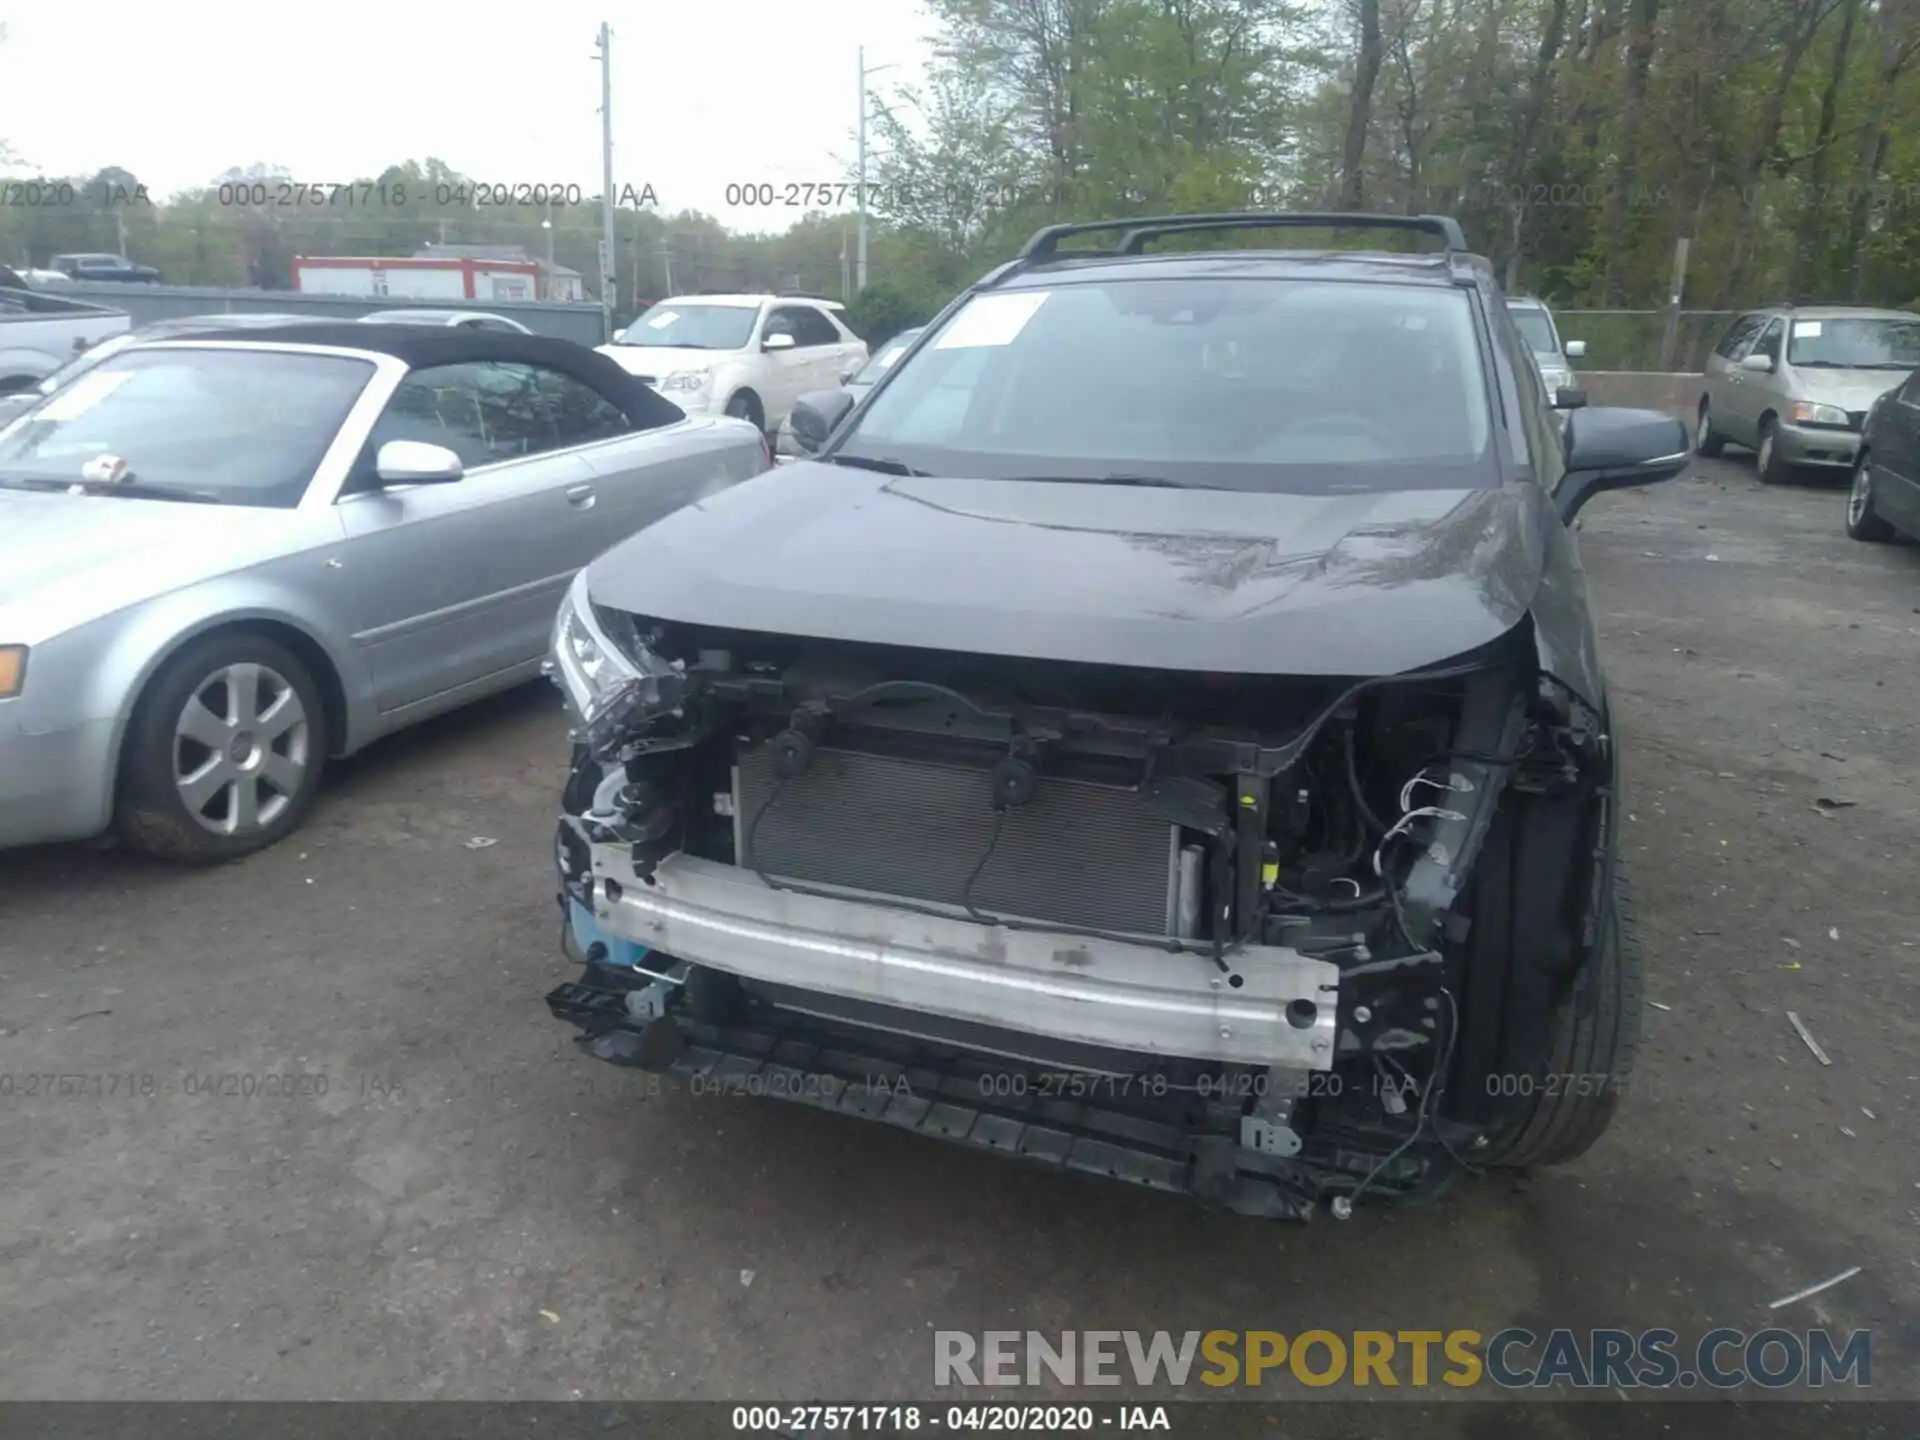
(581, 414)
(815, 328)
(489, 411)
(1538, 420)
(438, 406)
(1770, 338)
(788, 320)
(1518, 384)
(1739, 336)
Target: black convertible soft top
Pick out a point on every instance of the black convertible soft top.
(422, 346)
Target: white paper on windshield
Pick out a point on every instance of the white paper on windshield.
(81, 396)
(663, 319)
(992, 320)
(1806, 329)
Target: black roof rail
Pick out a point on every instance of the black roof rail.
(1045, 244)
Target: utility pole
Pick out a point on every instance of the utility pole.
(860, 198)
(606, 181)
(860, 264)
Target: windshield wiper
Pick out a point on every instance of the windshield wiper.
(129, 489)
(885, 464)
(1152, 482)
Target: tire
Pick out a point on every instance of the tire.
(257, 789)
(1593, 1034)
(1706, 440)
(1767, 462)
(1862, 522)
(746, 406)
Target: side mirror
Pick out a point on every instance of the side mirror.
(1615, 449)
(1762, 364)
(414, 462)
(1566, 398)
(777, 342)
(815, 416)
(619, 335)
(1576, 349)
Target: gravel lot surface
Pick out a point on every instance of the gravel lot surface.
(472, 1210)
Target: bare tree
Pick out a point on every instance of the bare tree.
(1899, 44)
(1800, 23)
(1633, 104)
(1360, 117)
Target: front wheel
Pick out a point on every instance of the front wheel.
(224, 753)
(1595, 1039)
(1771, 468)
(1862, 522)
(746, 406)
(1706, 440)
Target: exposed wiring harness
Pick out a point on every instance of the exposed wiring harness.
(1430, 1094)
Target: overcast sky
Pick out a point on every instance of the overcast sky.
(705, 92)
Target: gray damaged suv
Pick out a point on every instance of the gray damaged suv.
(1795, 383)
(1157, 732)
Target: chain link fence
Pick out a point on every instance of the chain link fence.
(1644, 339)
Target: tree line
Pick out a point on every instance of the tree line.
(1577, 141)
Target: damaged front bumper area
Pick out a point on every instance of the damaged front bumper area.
(1135, 997)
(1213, 935)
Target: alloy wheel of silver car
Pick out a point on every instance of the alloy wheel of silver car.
(241, 748)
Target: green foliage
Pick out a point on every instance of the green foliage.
(1788, 160)
(886, 307)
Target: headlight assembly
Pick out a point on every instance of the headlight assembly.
(13, 670)
(610, 690)
(1805, 412)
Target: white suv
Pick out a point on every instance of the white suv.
(750, 356)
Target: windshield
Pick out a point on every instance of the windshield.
(1303, 386)
(1536, 328)
(1865, 343)
(86, 360)
(884, 357)
(247, 427)
(693, 327)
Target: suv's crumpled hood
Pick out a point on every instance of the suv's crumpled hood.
(1174, 579)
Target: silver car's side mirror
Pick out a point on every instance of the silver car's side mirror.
(1576, 349)
(777, 342)
(1763, 364)
(414, 462)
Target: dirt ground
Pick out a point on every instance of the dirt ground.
(473, 1210)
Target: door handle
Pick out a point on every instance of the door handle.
(581, 497)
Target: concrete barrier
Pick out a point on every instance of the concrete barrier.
(1642, 389)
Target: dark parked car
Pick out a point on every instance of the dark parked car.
(1159, 734)
(103, 267)
(1884, 499)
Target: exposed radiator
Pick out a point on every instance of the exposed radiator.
(1079, 853)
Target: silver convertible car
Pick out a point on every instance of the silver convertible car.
(226, 557)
